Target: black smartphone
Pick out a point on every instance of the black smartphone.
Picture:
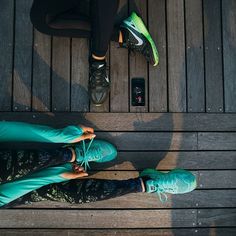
(138, 91)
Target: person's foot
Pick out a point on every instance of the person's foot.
(177, 181)
(99, 84)
(135, 36)
(94, 151)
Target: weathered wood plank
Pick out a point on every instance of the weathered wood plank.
(80, 75)
(6, 53)
(195, 199)
(194, 53)
(119, 232)
(41, 94)
(137, 62)
(217, 217)
(119, 99)
(229, 53)
(217, 179)
(213, 56)
(97, 218)
(61, 74)
(158, 74)
(153, 141)
(217, 141)
(176, 56)
(169, 160)
(131, 121)
(22, 57)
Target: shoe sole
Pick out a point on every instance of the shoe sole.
(138, 22)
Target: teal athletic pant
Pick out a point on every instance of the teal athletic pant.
(20, 131)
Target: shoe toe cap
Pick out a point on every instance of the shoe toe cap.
(109, 151)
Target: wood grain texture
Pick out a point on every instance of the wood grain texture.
(138, 160)
(22, 57)
(96, 218)
(137, 62)
(154, 141)
(119, 68)
(80, 75)
(217, 179)
(195, 59)
(229, 52)
(61, 74)
(6, 53)
(217, 217)
(131, 121)
(120, 232)
(119, 100)
(216, 141)
(158, 74)
(176, 56)
(213, 55)
(41, 94)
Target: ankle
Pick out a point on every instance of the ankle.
(73, 154)
(97, 58)
(142, 185)
(120, 37)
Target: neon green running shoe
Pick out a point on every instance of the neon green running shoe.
(177, 181)
(94, 151)
(136, 37)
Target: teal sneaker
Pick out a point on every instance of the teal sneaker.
(136, 37)
(94, 151)
(177, 181)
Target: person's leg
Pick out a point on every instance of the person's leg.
(82, 191)
(15, 164)
(177, 181)
(53, 17)
(103, 14)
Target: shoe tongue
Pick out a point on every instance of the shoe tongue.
(98, 64)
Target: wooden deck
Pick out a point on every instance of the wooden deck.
(189, 120)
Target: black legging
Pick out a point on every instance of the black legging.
(15, 164)
(93, 19)
(80, 191)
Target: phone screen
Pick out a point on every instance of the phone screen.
(138, 91)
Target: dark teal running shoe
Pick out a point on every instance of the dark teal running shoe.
(177, 181)
(136, 37)
(94, 151)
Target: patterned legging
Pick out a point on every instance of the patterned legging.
(16, 164)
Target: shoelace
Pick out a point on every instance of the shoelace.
(161, 193)
(85, 161)
(84, 151)
(96, 152)
(99, 76)
(162, 187)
